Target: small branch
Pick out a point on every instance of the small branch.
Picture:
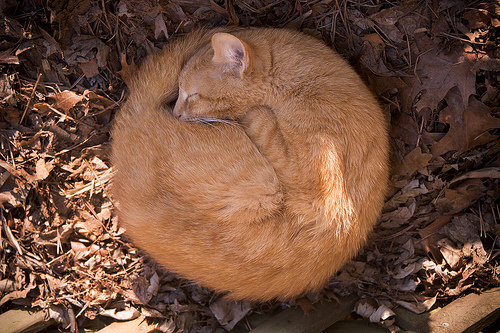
(31, 98)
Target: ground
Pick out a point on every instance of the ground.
(434, 66)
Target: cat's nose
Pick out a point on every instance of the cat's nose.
(177, 111)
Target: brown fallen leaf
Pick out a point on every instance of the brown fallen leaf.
(430, 246)
(369, 308)
(229, 313)
(98, 101)
(160, 27)
(19, 293)
(423, 304)
(469, 124)
(412, 162)
(405, 128)
(19, 173)
(437, 72)
(8, 57)
(65, 100)
(460, 198)
(43, 169)
(477, 18)
(128, 71)
(493, 172)
(465, 229)
(450, 253)
(305, 304)
(90, 68)
(89, 225)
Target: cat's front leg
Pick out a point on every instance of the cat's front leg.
(298, 180)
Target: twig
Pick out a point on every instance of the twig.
(103, 179)
(9, 234)
(463, 39)
(77, 81)
(62, 133)
(106, 16)
(30, 99)
(83, 309)
(62, 114)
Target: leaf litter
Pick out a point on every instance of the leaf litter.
(433, 65)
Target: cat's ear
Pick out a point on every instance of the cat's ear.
(231, 51)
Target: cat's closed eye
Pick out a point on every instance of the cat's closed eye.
(192, 97)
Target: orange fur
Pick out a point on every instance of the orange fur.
(269, 208)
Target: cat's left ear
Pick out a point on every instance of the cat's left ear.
(231, 51)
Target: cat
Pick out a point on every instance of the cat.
(269, 172)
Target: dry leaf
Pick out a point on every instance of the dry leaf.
(229, 313)
(412, 162)
(420, 307)
(160, 27)
(438, 72)
(404, 128)
(469, 124)
(65, 100)
(369, 308)
(128, 71)
(43, 169)
(6, 91)
(450, 253)
(465, 229)
(90, 68)
(305, 304)
(457, 199)
(127, 314)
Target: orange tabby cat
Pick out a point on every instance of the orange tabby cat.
(267, 209)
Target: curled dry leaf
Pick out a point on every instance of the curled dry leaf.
(127, 314)
(369, 308)
(229, 313)
(493, 172)
(450, 253)
(425, 304)
(465, 230)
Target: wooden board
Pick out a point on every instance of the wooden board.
(139, 325)
(25, 321)
(295, 321)
(467, 314)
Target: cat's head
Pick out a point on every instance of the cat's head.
(218, 85)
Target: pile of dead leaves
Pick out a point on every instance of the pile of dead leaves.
(433, 64)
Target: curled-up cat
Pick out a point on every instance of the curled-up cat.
(267, 208)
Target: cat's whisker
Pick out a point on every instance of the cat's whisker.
(203, 121)
(223, 121)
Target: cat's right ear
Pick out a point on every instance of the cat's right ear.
(231, 51)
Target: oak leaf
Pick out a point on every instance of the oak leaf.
(469, 124)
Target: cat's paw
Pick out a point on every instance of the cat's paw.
(262, 127)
